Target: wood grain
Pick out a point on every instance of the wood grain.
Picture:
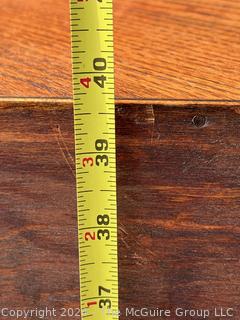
(165, 49)
(178, 206)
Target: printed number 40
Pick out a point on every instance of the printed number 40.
(99, 64)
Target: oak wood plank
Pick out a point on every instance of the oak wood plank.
(178, 206)
(165, 49)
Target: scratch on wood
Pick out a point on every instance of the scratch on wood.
(64, 149)
(138, 245)
(152, 119)
(122, 234)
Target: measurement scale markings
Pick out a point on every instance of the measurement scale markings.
(84, 153)
(94, 72)
(96, 227)
(107, 30)
(85, 139)
(101, 297)
(88, 264)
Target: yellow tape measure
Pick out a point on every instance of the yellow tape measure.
(94, 123)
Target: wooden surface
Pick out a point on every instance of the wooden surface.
(178, 206)
(178, 166)
(165, 49)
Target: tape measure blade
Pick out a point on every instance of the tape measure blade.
(94, 124)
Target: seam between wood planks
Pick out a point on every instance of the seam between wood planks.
(145, 101)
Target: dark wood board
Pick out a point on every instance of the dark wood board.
(178, 206)
(164, 49)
